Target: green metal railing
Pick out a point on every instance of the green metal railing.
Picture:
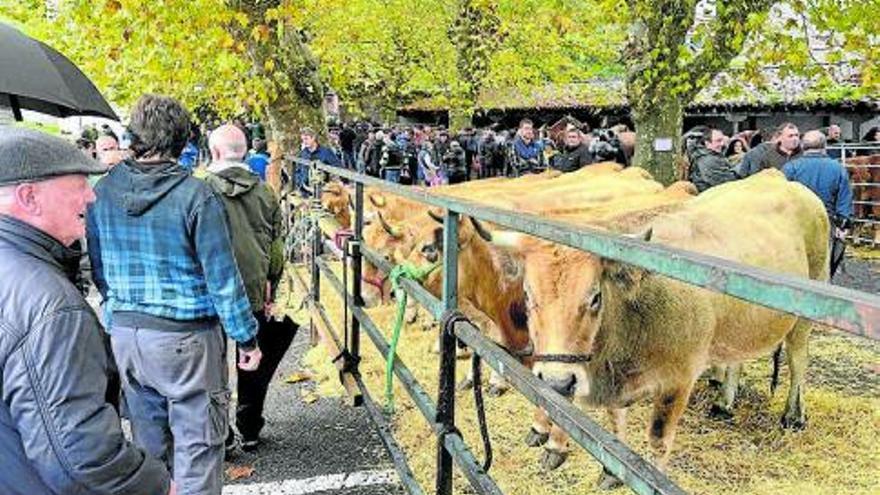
(848, 310)
(845, 309)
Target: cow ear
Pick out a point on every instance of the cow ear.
(623, 275)
(377, 199)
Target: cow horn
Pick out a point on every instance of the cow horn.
(507, 239)
(485, 234)
(350, 202)
(437, 218)
(377, 200)
(395, 233)
(643, 235)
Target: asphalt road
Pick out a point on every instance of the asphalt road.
(325, 447)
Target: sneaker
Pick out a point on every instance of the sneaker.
(250, 444)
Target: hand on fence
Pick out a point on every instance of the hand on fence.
(250, 360)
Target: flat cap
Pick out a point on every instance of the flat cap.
(31, 156)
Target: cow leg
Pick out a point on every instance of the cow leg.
(716, 375)
(497, 385)
(539, 433)
(796, 346)
(723, 407)
(412, 311)
(668, 408)
(608, 481)
(556, 450)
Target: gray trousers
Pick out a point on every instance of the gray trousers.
(176, 389)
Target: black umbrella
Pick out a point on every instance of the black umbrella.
(36, 77)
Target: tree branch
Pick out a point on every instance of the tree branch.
(729, 34)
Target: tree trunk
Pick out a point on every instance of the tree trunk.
(460, 118)
(287, 118)
(659, 126)
(281, 57)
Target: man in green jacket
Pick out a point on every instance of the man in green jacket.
(255, 226)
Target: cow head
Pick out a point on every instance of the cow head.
(567, 293)
(427, 243)
(335, 198)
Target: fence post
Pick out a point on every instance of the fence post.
(446, 394)
(354, 344)
(314, 205)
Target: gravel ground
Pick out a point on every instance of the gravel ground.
(305, 444)
(859, 274)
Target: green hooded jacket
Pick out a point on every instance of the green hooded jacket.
(255, 225)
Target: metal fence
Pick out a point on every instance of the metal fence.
(866, 190)
(851, 311)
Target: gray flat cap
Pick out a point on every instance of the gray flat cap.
(31, 156)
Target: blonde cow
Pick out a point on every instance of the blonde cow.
(638, 335)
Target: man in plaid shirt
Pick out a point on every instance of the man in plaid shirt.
(162, 259)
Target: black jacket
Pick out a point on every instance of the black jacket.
(571, 160)
(765, 155)
(710, 169)
(57, 433)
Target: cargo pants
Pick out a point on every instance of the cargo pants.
(176, 390)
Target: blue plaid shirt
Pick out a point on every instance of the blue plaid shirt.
(159, 245)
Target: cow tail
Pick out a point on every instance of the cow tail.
(777, 362)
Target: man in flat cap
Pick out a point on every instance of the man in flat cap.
(163, 262)
(57, 433)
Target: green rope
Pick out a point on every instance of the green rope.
(412, 272)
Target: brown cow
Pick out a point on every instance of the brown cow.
(636, 334)
(865, 170)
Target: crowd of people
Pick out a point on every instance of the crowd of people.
(426, 155)
(181, 263)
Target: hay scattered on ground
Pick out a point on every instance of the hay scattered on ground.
(864, 252)
(839, 452)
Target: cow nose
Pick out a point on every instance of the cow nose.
(430, 253)
(563, 386)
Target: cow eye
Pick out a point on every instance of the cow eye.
(596, 302)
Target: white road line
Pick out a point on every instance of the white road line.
(317, 484)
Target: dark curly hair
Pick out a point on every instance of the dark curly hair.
(159, 125)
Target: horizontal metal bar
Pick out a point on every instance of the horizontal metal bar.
(865, 184)
(870, 165)
(642, 477)
(463, 457)
(398, 457)
(413, 288)
(854, 146)
(478, 478)
(869, 203)
(849, 310)
(418, 394)
(866, 220)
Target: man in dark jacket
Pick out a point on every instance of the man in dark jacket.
(255, 226)
(782, 148)
(163, 262)
(312, 151)
(57, 433)
(455, 163)
(826, 177)
(709, 167)
(526, 153)
(575, 154)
